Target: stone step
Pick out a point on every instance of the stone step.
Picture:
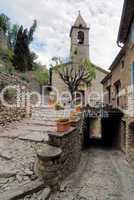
(47, 118)
(34, 128)
(41, 122)
(50, 114)
(34, 136)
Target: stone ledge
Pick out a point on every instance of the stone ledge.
(49, 152)
(60, 134)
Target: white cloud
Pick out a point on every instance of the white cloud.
(55, 18)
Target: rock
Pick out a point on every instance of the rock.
(7, 173)
(19, 178)
(28, 172)
(22, 190)
(5, 155)
(46, 194)
(33, 177)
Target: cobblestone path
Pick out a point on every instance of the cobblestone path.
(102, 175)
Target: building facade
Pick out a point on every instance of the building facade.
(79, 50)
(119, 83)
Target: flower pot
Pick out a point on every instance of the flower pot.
(78, 109)
(63, 126)
(51, 103)
(74, 123)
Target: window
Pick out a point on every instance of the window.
(122, 64)
(80, 37)
(109, 94)
(117, 92)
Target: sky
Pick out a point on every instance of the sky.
(55, 18)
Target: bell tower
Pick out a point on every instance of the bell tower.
(79, 35)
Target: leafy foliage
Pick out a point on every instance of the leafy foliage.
(22, 59)
(12, 35)
(4, 22)
(41, 76)
(19, 41)
(6, 56)
(3, 83)
(31, 31)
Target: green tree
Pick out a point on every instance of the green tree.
(19, 59)
(31, 31)
(4, 22)
(12, 35)
(41, 76)
(24, 59)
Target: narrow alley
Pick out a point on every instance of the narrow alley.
(101, 175)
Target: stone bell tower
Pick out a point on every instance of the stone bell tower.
(79, 35)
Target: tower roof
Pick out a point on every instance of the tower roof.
(80, 21)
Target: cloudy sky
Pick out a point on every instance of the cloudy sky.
(55, 18)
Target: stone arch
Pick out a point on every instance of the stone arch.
(80, 37)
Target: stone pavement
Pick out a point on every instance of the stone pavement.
(101, 175)
(18, 144)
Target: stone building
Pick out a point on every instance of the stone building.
(119, 83)
(79, 50)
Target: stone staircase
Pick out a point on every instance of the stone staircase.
(42, 122)
(18, 151)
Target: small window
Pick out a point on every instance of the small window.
(122, 64)
(80, 37)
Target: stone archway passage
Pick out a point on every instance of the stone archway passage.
(111, 129)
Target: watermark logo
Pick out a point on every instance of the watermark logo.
(51, 95)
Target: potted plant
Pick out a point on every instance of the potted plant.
(74, 118)
(73, 115)
(63, 125)
(58, 107)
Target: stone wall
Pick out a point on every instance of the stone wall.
(70, 144)
(130, 140)
(8, 115)
(61, 157)
(127, 138)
